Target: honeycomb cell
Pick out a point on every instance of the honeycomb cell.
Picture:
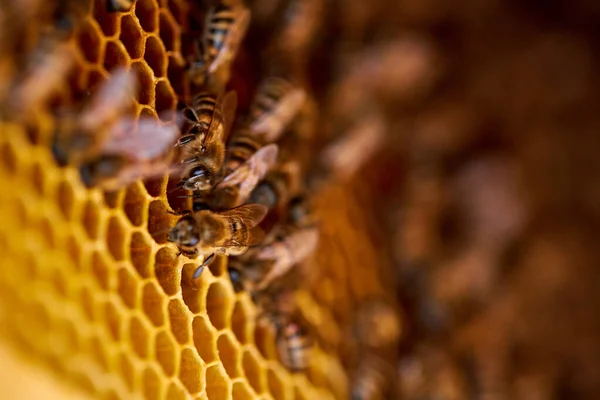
(148, 112)
(276, 386)
(90, 44)
(181, 322)
(99, 352)
(115, 238)
(48, 233)
(165, 99)
(168, 31)
(218, 305)
(140, 252)
(66, 199)
(190, 371)
(253, 371)
(116, 56)
(152, 303)
(109, 22)
(60, 279)
(152, 384)
(134, 204)
(217, 385)
(8, 158)
(146, 12)
(139, 336)
(218, 266)
(127, 287)
(91, 219)
(241, 391)
(95, 78)
(87, 303)
(159, 221)
(166, 353)
(38, 178)
(146, 93)
(179, 11)
(127, 370)
(176, 392)
(165, 265)
(113, 320)
(74, 250)
(203, 339)
(131, 36)
(102, 270)
(229, 354)
(264, 338)
(113, 199)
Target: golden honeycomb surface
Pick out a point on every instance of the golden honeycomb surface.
(87, 290)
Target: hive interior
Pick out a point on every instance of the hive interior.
(113, 309)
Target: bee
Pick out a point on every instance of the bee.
(371, 379)
(293, 345)
(203, 147)
(112, 150)
(276, 103)
(119, 5)
(224, 30)
(377, 325)
(229, 232)
(278, 187)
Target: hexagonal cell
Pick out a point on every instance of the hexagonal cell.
(152, 303)
(217, 384)
(8, 158)
(139, 336)
(156, 56)
(113, 320)
(253, 371)
(180, 320)
(134, 204)
(88, 306)
(218, 305)
(127, 287)
(166, 352)
(131, 36)
(60, 278)
(169, 32)
(108, 21)
(102, 270)
(113, 199)
(264, 338)
(276, 387)
(74, 251)
(241, 391)
(140, 252)
(218, 266)
(146, 80)
(90, 44)
(127, 370)
(166, 271)
(159, 221)
(115, 238)
(66, 198)
(229, 354)
(37, 178)
(165, 97)
(176, 392)
(204, 335)
(99, 352)
(46, 229)
(147, 13)
(156, 186)
(91, 219)
(180, 11)
(116, 56)
(152, 384)
(190, 371)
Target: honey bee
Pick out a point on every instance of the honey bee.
(371, 380)
(229, 232)
(276, 104)
(112, 150)
(224, 31)
(119, 5)
(278, 187)
(377, 325)
(293, 345)
(203, 148)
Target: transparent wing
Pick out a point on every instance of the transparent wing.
(248, 215)
(272, 124)
(233, 40)
(246, 238)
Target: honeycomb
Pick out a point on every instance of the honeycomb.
(88, 291)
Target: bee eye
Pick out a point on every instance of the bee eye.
(198, 172)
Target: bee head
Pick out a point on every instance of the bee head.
(185, 232)
(198, 179)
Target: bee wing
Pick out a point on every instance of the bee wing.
(251, 172)
(246, 238)
(249, 215)
(233, 40)
(271, 124)
(112, 98)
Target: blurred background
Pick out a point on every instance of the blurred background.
(451, 150)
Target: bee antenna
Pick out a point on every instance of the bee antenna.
(176, 188)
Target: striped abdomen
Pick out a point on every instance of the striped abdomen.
(219, 24)
(269, 96)
(202, 110)
(239, 150)
(293, 346)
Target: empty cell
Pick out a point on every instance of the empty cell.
(127, 287)
(86, 297)
(100, 353)
(135, 204)
(131, 36)
(229, 355)
(165, 268)
(190, 371)
(65, 198)
(180, 12)
(276, 387)
(102, 270)
(217, 385)
(165, 97)
(156, 186)
(218, 266)
(146, 12)
(192, 297)
(152, 303)
(115, 56)
(241, 391)
(8, 158)
(127, 370)
(115, 238)
(91, 219)
(37, 178)
(176, 392)
(264, 339)
(159, 221)
(146, 88)
(74, 250)
(180, 321)
(109, 22)
(152, 384)
(89, 42)
(155, 55)
(169, 32)
(114, 320)
(140, 253)
(113, 199)
(218, 305)
(46, 230)
(166, 354)
(253, 371)
(139, 336)
(204, 335)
